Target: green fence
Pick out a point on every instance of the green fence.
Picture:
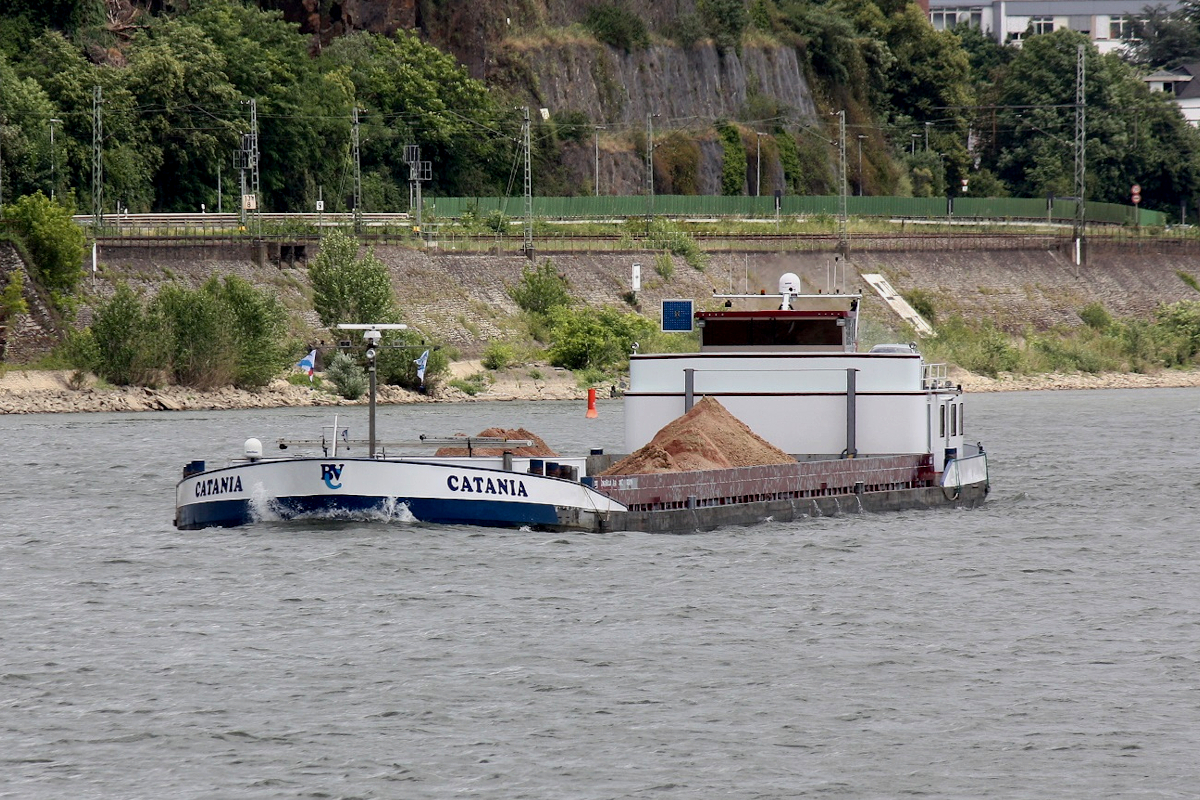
(700, 206)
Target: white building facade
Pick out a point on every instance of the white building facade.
(1108, 23)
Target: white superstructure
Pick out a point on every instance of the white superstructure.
(787, 365)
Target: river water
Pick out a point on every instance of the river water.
(1046, 645)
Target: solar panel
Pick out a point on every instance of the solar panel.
(677, 315)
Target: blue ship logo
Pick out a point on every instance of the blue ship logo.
(332, 474)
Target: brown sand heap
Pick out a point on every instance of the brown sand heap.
(538, 448)
(707, 437)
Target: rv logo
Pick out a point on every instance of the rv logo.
(332, 474)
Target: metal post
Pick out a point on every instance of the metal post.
(357, 173)
(689, 389)
(649, 168)
(97, 162)
(219, 198)
(860, 174)
(851, 404)
(843, 222)
(758, 176)
(1, 164)
(926, 137)
(528, 146)
(53, 160)
(597, 131)
(1080, 148)
(371, 410)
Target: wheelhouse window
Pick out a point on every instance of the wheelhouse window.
(767, 331)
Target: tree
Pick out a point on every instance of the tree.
(54, 241)
(1133, 135)
(1164, 39)
(347, 288)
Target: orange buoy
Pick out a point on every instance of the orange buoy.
(591, 412)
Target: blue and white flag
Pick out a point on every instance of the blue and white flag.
(421, 362)
(309, 364)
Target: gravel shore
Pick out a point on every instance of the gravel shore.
(49, 391)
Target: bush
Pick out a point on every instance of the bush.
(921, 303)
(224, 332)
(617, 26)
(347, 376)
(498, 355)
(726, 20)
(541, 289)
(54, 242)
(733, 166)
(396, 362)
(12, 299)
(472, 384)
(664, 266)
(1096, 317)
(598, 338)
(126, 343)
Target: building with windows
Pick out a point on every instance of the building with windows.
(1182, 83)
(1106, 22)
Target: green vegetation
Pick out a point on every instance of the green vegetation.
(54, 242)
(12, 299)
(541, 289)
(602, 338)
(472, 384)
(617, 25)
(1102, 344)
(347, 376)
(349, 289)
(498, 355)
(733, 166)
(224, 332)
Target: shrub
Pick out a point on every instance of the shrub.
(54, 242)
(726, 20)
(541, 289)
(347, 376)
(921, 303)
(126, 342)
(198, 335)
(733, 166)
(599, 338)
(12, 299)
(664, 266)
(472, 384)
(498, 355)
(1096, 317)
(396, 362)
(617, 26)
(224, 332)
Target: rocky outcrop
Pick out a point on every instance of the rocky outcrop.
(678, 85)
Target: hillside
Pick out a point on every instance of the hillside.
(461, 299)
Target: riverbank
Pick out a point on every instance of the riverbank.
(50, 391)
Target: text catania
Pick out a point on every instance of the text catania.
(211, 486)
(480, 485)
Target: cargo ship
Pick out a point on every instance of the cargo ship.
(871, 431)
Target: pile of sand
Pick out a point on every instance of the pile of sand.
(537, 449)
(707, 437)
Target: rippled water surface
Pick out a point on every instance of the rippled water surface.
(1044, 646)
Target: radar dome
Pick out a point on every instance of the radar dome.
(789, 283)
(253, 449)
